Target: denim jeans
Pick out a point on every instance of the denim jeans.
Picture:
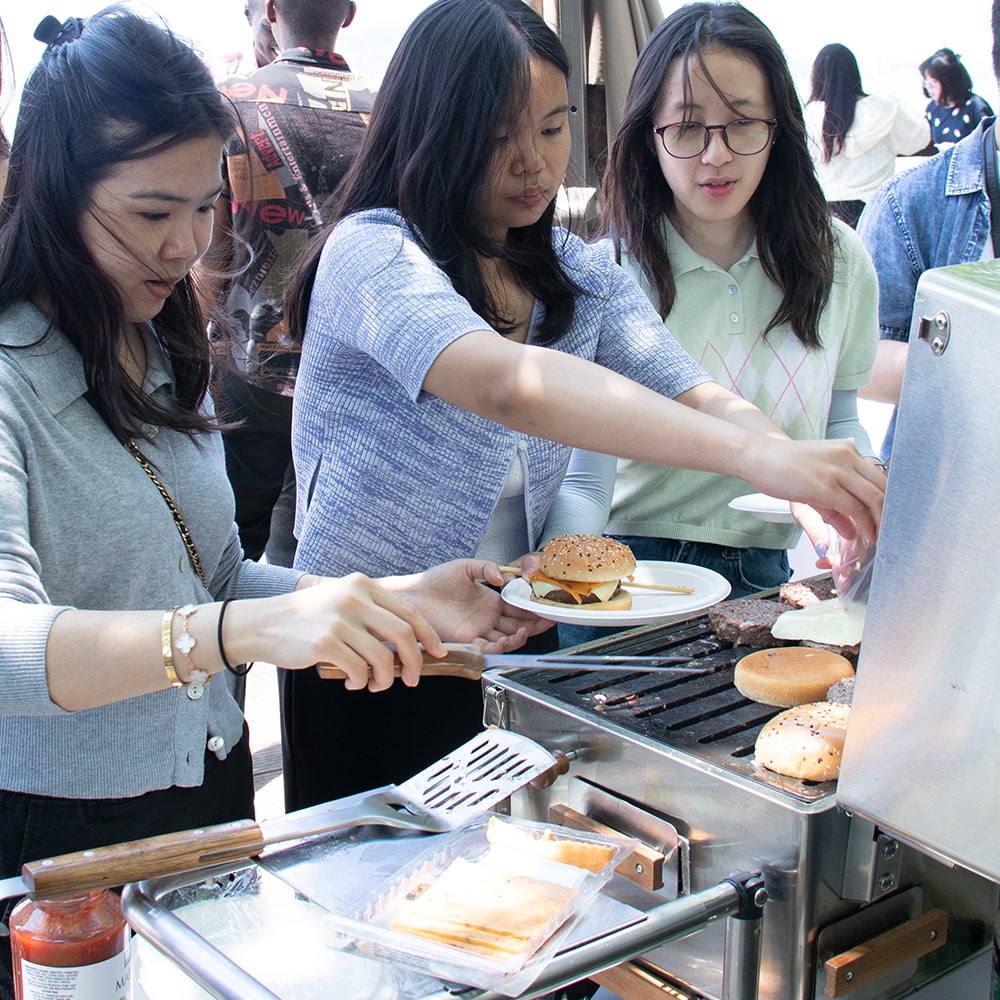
(747, 570)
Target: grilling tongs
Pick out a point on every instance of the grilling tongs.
(455, 789)
(469, 661)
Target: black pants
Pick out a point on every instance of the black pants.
(337, 742)
(33, 827)
(847, 211)
(258, 456)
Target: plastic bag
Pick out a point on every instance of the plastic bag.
(851, 561)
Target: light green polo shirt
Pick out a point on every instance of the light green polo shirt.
(719, 317)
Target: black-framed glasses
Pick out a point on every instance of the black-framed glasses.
(743, 136)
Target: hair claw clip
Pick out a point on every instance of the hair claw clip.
(53, 33)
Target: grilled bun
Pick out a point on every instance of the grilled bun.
(805, 742)
(789, 675)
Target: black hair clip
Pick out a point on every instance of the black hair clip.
(52, 33)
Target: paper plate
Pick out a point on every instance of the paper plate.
(648, 606)
(765, 507)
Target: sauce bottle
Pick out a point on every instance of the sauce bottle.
(72, 947)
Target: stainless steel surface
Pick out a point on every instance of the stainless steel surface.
(682, 750)
(13, 887)
(922, 757)
(591, 948)
(205, 964)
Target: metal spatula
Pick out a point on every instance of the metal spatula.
(467, 782)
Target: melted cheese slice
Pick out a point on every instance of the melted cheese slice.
(543, 585)
(830, 622)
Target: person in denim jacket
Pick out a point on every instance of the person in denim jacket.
(934, 215)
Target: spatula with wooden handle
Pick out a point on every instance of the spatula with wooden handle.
(464, 784)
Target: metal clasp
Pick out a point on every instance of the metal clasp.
(936, 331)
(495, 707)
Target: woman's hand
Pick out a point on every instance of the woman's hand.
(455, 600)
(846, 489)
(352, 622)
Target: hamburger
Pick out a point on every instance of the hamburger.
(583, 570)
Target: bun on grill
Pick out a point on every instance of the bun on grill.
(805, 742)
(789, 675)
(576, 570)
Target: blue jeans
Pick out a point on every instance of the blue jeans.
(747, 570)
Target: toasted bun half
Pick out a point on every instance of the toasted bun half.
(621, 601)
(789, 675)
(805, 742)
(586, 559)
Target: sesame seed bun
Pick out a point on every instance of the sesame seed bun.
(586, 559)
(805, 742)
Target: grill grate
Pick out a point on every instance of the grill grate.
(702, 715)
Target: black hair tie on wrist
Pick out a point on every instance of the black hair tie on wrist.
(244, 668)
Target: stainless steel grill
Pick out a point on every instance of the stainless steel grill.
(670, 759)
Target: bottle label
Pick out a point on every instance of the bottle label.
(107, 980)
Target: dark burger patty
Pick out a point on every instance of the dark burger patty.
(565, 597)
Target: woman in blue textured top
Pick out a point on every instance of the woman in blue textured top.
(455, 345)
(122, 607)
(954, 110)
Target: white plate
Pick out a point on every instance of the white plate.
(648, 606)
(765, 507)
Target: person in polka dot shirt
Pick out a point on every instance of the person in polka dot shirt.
(953, 110)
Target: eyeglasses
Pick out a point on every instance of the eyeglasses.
(744, 136)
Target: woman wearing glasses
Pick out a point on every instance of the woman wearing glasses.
(713, 205)
(455, 344)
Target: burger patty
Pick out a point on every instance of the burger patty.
(564, 597)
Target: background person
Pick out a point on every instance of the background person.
(117, 719)
(449, 338)
(265, 48)
(933, 216)
(953, 110)
(855, 137)
(302, 118)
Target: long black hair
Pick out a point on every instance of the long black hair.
(836, 81)
(791, 217)
(457, 81)
(109, 89)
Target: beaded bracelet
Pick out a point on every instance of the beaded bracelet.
(244, 668)
(194, 687)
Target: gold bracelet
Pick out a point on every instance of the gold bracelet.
(194, 687)
(168, 657)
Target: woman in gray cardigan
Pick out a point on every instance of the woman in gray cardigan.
(126, 606)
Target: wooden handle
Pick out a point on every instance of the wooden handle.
(459, 661)
(657, 586)
(644, 866)
(139, 859)
(866, 962)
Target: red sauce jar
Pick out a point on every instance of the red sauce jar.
(73, 947)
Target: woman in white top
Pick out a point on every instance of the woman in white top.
(855, 137)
